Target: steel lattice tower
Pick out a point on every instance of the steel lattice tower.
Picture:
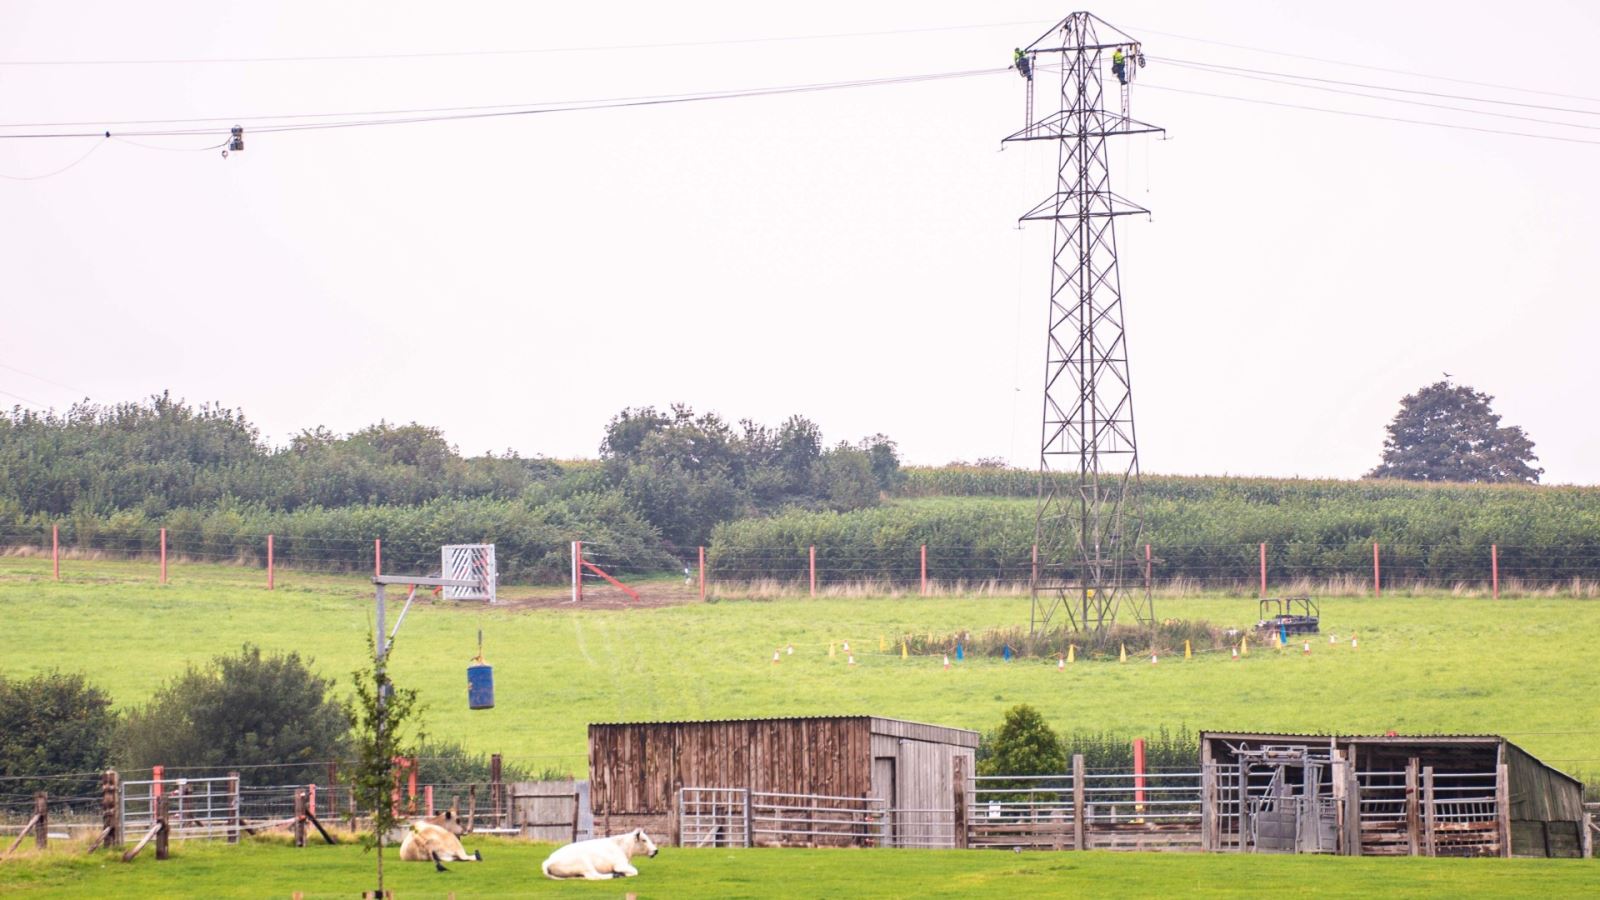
(1089, 529)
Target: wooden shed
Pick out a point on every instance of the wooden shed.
(1386, 795)
(806, 780)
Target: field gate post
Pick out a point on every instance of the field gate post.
(813, 563)
(163, 557)
(1494, 569)
(1413, 817)
(234, 808)
(1080, 825)
(924, 579)
(1502, 809)
(1429, 816)
(702, 573)
(269, 562)
(299, 817)
(749, 839)
(1208, 805)
(164, 832)
(55, 550)
(1352, 807)
(1138, 775)
(495, 791)
(41, 815)
(377, 556)
(110, 808)
(958, 807)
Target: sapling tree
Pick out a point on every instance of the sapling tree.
(385, 724)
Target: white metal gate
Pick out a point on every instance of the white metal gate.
(196, 807)
(469, 562)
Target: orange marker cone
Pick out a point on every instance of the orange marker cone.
(947, 660)
(775, 657)
(1061, 664)
(846, 647)
(1236, 654)
(1308, 648)
(1352, 642)
(1152, 659)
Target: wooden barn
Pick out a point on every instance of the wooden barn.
(818, 780)
(1386, 795)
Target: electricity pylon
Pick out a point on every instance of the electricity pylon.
(1088, 530)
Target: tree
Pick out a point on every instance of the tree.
(379, 719)
(242, 711)
(1024, 745)
(1447, 432)
(54, 724)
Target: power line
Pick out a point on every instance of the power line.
(1377, 116)
(70, 165)
(361, 57)
(1356, 65)
(1380, 87)
(1349, 93)
(37, 377)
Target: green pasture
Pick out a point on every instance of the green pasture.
(274, 869)
(1523, 667)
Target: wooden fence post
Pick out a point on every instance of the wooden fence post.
(958, 779)
(165, 830)
(748, 838)
(1494, 569)
(235, 809)
(1377, 580)
(1208, 805)
(41, 817)
(813, 556)
(1502, 808)
(163, 570)
(269, 563)
(55, 550)
(1080, 826)
(702, 573)
(924, 570)
(1429, 822)
(299, 817)
(1413, 817)
(1263, 569)
(1138, 775)
(110, 814)
(495, 791)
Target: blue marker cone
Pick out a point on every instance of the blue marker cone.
(959, 655)
(1007, 653)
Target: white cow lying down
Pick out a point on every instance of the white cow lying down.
(606, 857)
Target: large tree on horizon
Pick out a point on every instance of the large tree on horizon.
(1448, 432)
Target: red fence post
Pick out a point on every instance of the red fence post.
(55, 550)
(1494, 568)
(577, 571)
(377, 557)
(1147, 568)
(924, 570)
(1138, 775)
(163, 556)
(1377, 580)
(1263, 569)
(813, 555)
(702, 573)
(155, 775)
(269, 571)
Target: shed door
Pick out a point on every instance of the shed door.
(883, 788)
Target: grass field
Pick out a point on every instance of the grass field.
(1523, 668)
(511, 870)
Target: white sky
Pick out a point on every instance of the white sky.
(850, 256)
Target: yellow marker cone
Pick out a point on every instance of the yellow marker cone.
(1187, 653)
(883, 645)
(830, 650)
(904, 654)
(1072, 653)
(1244, 646)
(1123, 656)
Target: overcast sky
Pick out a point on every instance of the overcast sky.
(848, 255)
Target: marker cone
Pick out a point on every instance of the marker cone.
(1152, 659)
(1072, 653)
(846, 647)
(1308, 648)
(1187, 653)
(1123, 655)
(903, 652)
(883, 646)
(1333, 639)
(1244, 646)
(850, 661)
(1236, 654)
(947, 660)
(1061, 664)
(790, 651)
(775, 657)
(1352, 642)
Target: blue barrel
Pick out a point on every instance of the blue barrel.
(480, 686)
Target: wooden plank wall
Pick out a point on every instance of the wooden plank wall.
(636, 769)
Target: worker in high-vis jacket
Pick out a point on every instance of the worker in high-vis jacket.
(1022, 63)
(1119, 65)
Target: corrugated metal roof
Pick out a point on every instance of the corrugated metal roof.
(782, 719)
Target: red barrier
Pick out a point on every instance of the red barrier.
(1138, 774)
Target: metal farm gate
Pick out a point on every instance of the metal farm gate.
(196, 807)
(737, 817)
